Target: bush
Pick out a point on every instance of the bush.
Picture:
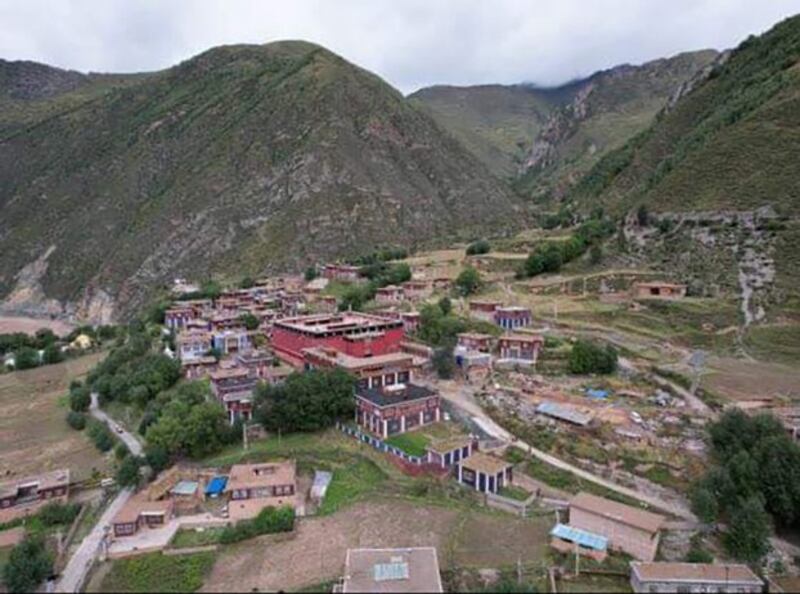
(269, 520)
(76, 420)
(468, 281)
(100, 435)
(52, 354)
(443, 363)
(478, 247)
(80, 398)
(587, 357)
(26, 358)
(28, 566)
(128, 472)
(58, 514)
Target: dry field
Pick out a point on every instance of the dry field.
(11, 324)
(315, 552)
(34, 436)
(738, 379)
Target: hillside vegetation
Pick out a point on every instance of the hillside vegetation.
(247, 157)
(731, 143)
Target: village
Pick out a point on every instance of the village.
(597, 466)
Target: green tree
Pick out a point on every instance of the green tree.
(595, 254)
(128, 472)
(443, 362)
(250, 321)
(468, 281)
(311, 273)
(28, 566)
(705, 504)
(52, 354)
(306, 402)
(747, 537)
(552, 258)
(26, 358)
(587, 357)
(76, 420)
(445, 305)
(478, 247)
(80, 398)
(642, 216)
(247, 282)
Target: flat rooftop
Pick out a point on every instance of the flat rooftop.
(392, 570)
(350, 363)
(395, 394)
(46, 480)
(695, 572)
(266, 474)
(618, 512)
(342, 323)
(485, 463)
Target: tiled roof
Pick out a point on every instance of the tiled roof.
(619, 512)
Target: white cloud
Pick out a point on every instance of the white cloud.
(411, 43)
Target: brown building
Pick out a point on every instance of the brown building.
(484, 310)
(24, 496)
(473, 341)
(193, 344)
(252, 487)
(392, 570)
(418, 289)
(140, 512)
(198, 368)
(693, 577)
(397, 408)
(520, 348)
(389, 294)
(658, 290)
(628, 529)
(370, 372)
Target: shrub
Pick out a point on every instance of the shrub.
(100, 435)
(478, 247)
(26, 358)
(128, 472)
(55, 513)
(468, 281)
(28, 565)
(443, 363)
(269, 520)
(76, 420)
(80, 398)
(587, 357)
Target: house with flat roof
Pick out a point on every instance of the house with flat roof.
(140, 512)
(389, 294)
(693, 577)
(390, 410)
(24, 496)
(341, 272)
(392, 570)
(353, 333)
(370, 372)
(484, 310)
(198, 367)
(252, 487)
(659, 290)
(569, 540)
(229, 342)
(520, 349)
(475, 341)
(512, 317)
(234, 387)
(417, 289)
(484, 472)
(193, 344)
(628, 529)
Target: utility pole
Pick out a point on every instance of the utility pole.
(244, 435)
(519, 569)
(577, 561)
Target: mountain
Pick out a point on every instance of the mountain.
(731, 142)
(718, 171)
(495, 122)
(240, 160)
(546, 138)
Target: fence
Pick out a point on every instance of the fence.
(514, 506)
(380, 445)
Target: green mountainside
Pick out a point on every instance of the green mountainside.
(245, 158)
(731, 143)
(546, 138)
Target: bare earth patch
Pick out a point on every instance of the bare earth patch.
(315, 552)
(34, 437)
(11, 324)
(738, 379)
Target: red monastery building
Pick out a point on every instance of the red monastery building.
(396, 409)
(351, 333)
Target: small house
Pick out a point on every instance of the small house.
(693, 577)
(392, 570)
(417, 290)
(473, 341)
(389, 294)
(513, 317)
(520, 349)
(397, 408)
(659, 290)
(139, 512)
(252, 487)
(484, 472)
(484, 310)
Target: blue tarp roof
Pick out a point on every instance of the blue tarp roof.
(216, 485)
(600, 394)
(562, 412)
(581, 537)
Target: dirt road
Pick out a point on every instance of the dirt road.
(130, 440)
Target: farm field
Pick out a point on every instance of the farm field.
(33, 434)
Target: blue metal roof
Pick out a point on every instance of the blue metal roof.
(599, 394)
(581, 537)
(216, 485)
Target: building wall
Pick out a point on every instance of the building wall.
(397, 419)
(637, 543)
(660, 587)
(288, 343)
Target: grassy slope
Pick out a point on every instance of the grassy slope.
(730, 143)
(495, 122)
(245, 156)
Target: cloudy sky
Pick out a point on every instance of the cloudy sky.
(411, 43)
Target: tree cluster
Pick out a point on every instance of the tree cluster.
(468, 281)
(551, 256)
(29, 564)
(306, 402)
(587, 357)
(479, 247)
(380, 274)
(269, 520)
(754, 481)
